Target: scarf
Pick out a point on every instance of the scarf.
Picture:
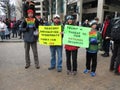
(107, 22)
(30, 22)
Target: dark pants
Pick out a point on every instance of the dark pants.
(7, 36)
(14, 33)
(2, 34)
(74, 59)
(91, 57)
(115, 58)
(35, 53)
(106, 45)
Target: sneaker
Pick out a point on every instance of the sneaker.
(59, 70)
(27, 66)
(111, 69)
(86, 71)
(37, 67)
(74, 72)
(105, 55)
(93, 74)
(68, 72)
(51, 68)
(117, 73)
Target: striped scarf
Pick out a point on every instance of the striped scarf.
(30, 22)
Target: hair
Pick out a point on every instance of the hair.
(108, 17)
(96, 18)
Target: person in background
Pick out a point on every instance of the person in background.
(46, 22)
(30, 38)
(106, 30)
(98, 24)
(2, 29)
(8, 27)
(14, 29)
(40, 20)
(7, 33)
(71, 51)
(20, 30)
(86, 23)
(115, 36)
(56, 49)
(92, 50)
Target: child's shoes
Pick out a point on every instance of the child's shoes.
(86, 71)
(93, 74)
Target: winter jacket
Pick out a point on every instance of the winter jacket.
(108, 30)
(30, 25)
(70, 47)
(94, 41)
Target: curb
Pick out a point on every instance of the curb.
(11, 41)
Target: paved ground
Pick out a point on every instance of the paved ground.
(13, 76)
(12, 40)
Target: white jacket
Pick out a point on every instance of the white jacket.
(2, 26)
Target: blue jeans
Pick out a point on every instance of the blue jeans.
(53, 50)
(2, 34)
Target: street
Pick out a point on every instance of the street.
(13, 76)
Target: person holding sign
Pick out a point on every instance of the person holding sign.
(56, 49)
(30, 38)
(91, 53)
(71, 51)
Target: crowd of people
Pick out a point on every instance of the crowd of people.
(9, 29)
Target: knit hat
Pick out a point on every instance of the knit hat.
(29, 11)
(56, 16)
(93, 23)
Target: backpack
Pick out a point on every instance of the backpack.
(115, 31)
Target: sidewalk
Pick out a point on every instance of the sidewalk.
(13, 76)
(11, 40)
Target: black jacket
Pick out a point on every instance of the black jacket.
(28, 33)
(108, 31)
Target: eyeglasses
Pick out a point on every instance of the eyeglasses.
(69, 18)
(56, 18)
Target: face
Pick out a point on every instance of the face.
(70, 21)
(56, 20)
(94, 26)
(30, 15)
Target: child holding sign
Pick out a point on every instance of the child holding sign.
(91, 53)
(71, 51)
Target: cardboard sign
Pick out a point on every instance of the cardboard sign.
(76, 36)
(50, 35)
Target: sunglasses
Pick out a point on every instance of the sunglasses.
(56, 18)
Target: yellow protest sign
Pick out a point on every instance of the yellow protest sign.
(50, 35)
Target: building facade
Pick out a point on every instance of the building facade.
(42, 8)
(88, 9)
(80, 9)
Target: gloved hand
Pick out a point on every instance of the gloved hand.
(93, 41)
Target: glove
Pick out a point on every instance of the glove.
(93, 41)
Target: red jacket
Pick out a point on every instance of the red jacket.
(70, 48)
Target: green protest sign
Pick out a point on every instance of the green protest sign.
(76, 36)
